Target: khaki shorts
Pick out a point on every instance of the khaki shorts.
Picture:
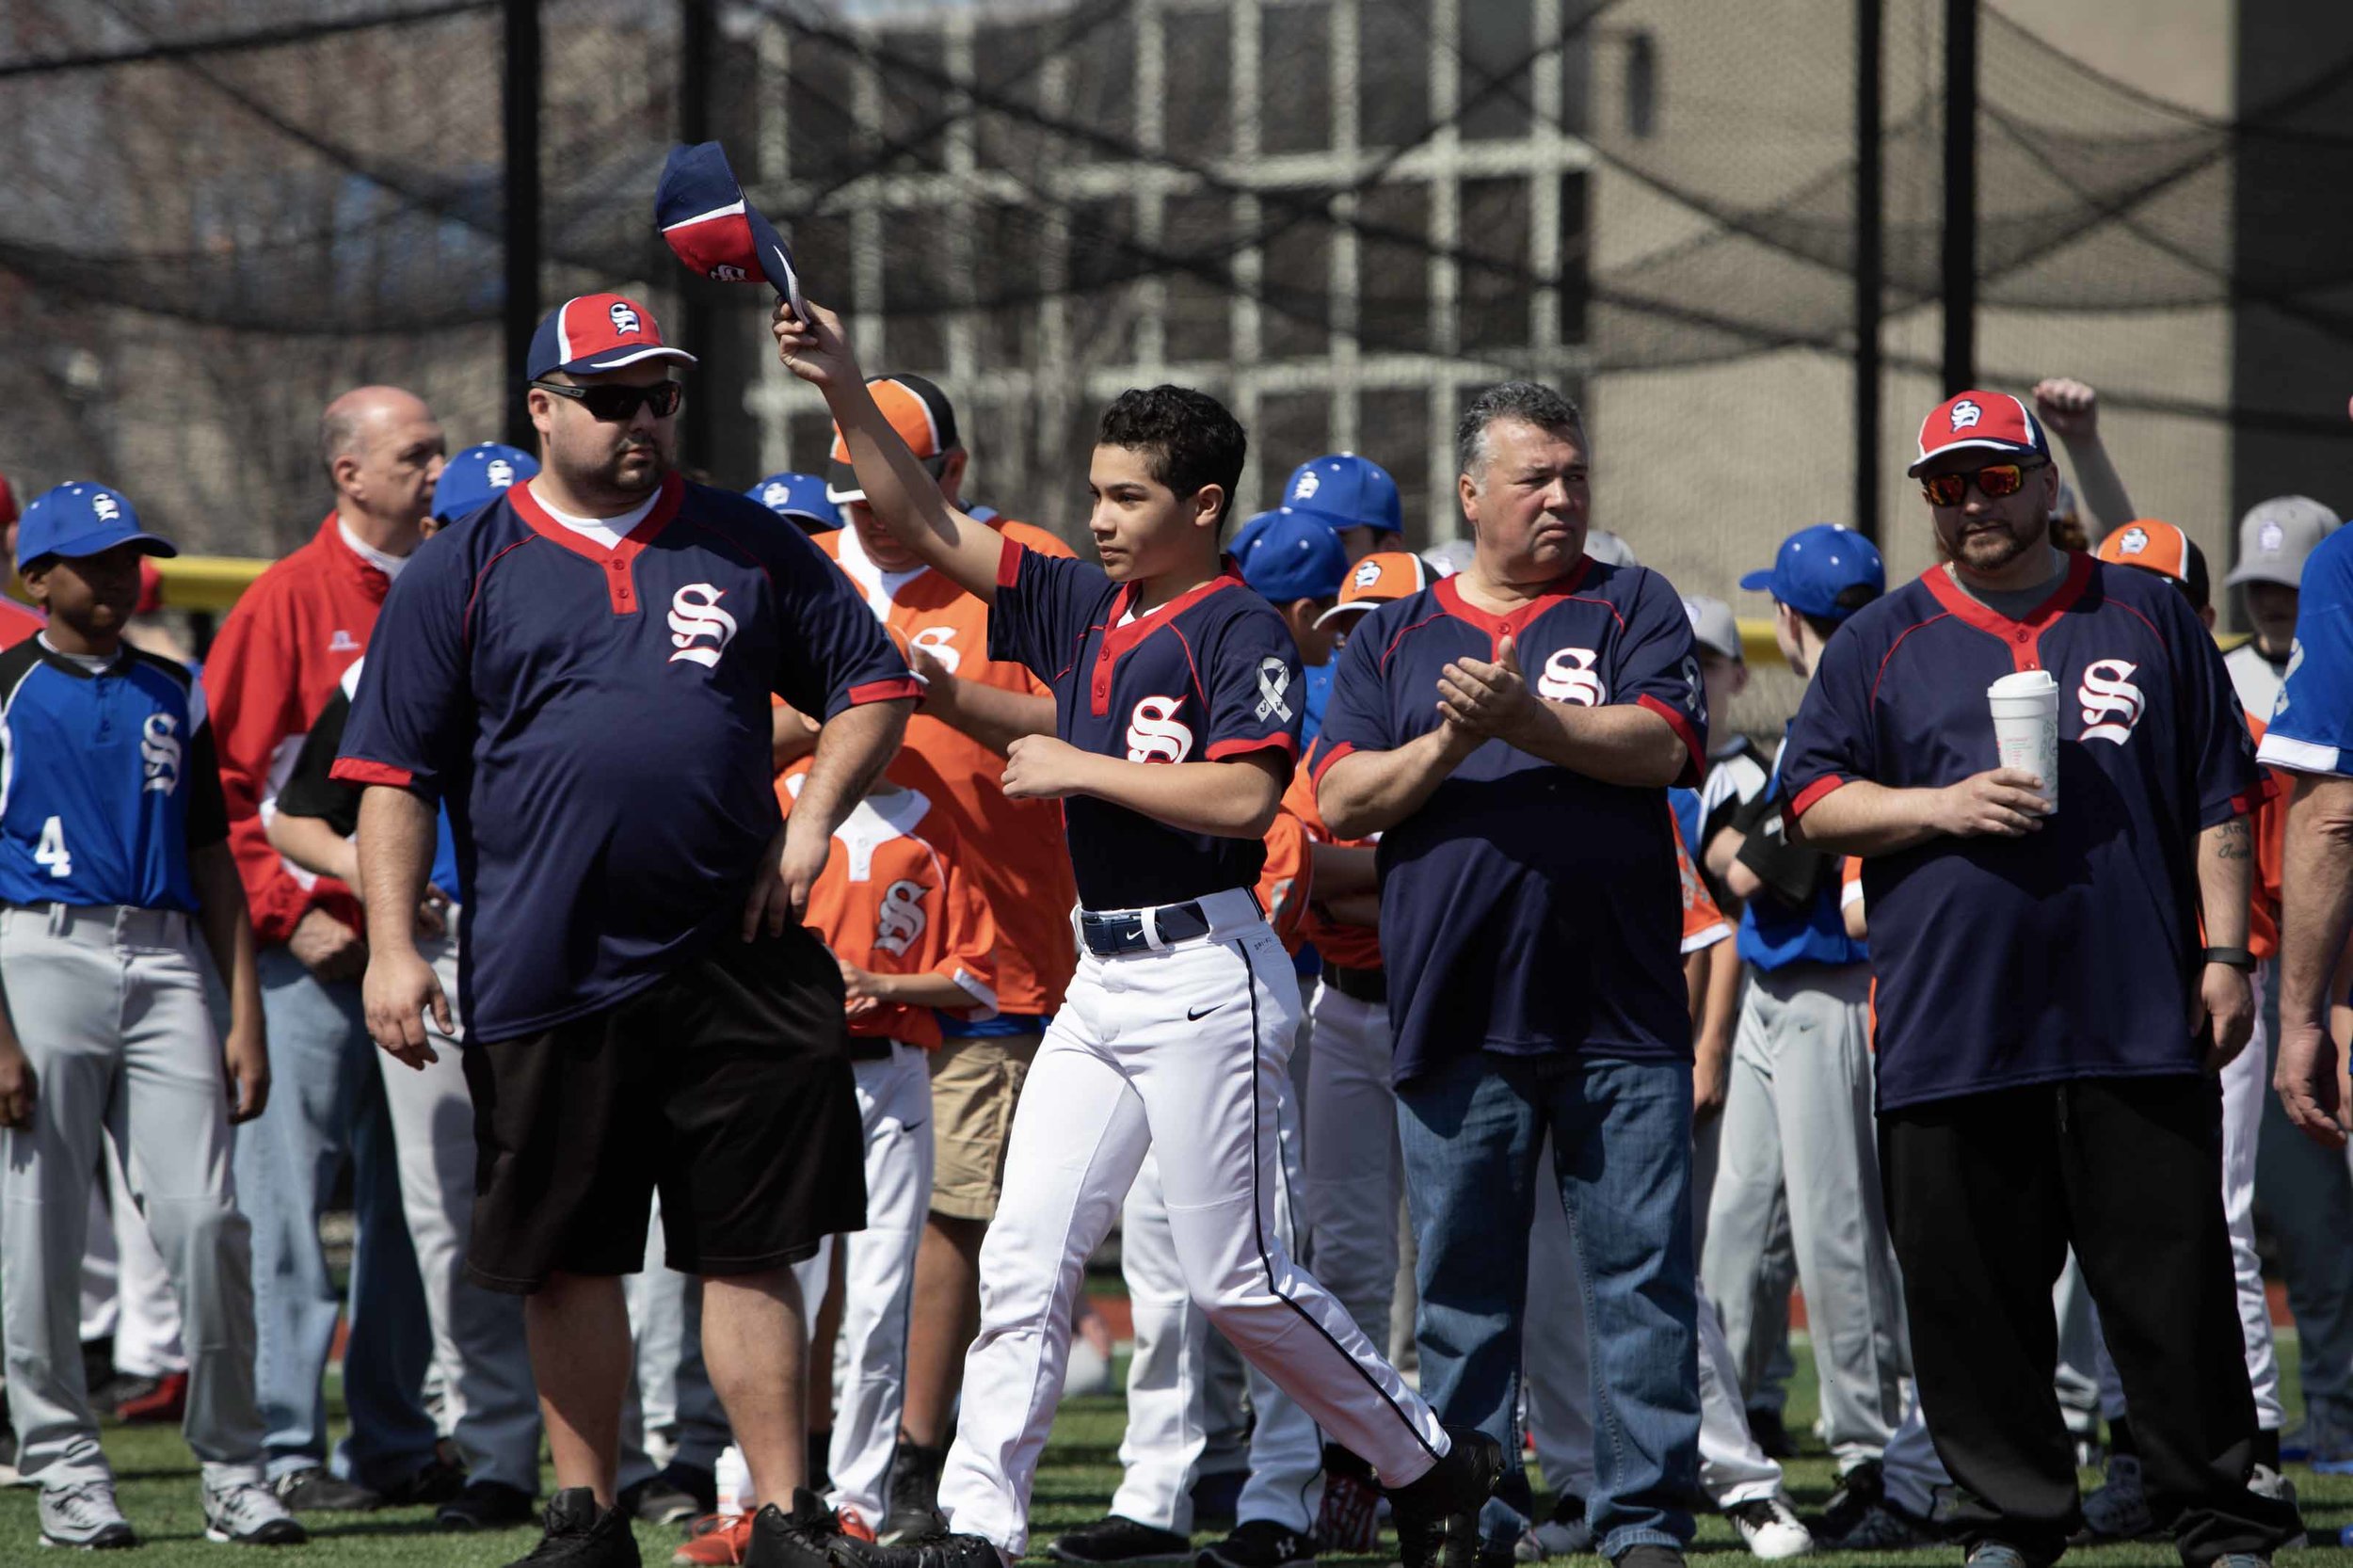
(974, 1085)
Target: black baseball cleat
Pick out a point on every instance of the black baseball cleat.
(581, 1535)
(914, 1510)
(941, 1549)
(1117, 1542)
(1437, 1513)
(801, 1539)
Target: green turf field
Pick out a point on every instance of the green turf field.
(158, 1493)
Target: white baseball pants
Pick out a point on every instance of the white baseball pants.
(1159, 1453)
(1354, 1176)
(1179, 1050)
(894, 1102)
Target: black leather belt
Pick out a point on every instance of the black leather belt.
(1366, 985)
(869, 1048)
(1109, 936)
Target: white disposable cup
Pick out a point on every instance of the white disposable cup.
(2025, 727)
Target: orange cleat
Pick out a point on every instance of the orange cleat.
(723, 1544)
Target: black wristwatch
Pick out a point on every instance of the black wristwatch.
(2237, 958)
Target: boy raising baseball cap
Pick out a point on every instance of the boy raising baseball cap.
(1177, 720)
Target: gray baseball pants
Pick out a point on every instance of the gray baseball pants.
(109, 1003)
(1798, 1118)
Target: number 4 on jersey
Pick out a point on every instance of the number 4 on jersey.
(51, 851)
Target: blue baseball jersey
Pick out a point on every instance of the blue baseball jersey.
(598, 722)
(1528, 909)
(2069, 951)
(107, 780)
(2312, 723)
(1775, 937)
(312, 790)
(1211, 674)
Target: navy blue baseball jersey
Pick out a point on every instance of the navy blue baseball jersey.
(2312, 723)
(1527, 909)
(108, 779)
(1211, 674)
(2069, 951)
(598, 723)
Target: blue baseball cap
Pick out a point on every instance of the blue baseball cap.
(1285, 556)
(81, 518)
(477, 476)
(1815, 564)
(1344, 491)
(800, 497)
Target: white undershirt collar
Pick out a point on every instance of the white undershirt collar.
(388, 564)
(608, 532)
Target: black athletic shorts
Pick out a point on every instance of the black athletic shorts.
(727, 1084)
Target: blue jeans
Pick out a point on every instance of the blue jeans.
(327, 1104)
(1470, 1133)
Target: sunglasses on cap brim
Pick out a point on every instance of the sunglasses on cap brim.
(1994, 482)
(614, 403)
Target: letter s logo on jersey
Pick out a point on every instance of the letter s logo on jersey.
(1569, 677)
(900, 918)
(2111, 703)
(159, 751)
(1153, 733)
(694, 613)
(939, 642)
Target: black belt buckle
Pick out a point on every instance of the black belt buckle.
(1110, 936)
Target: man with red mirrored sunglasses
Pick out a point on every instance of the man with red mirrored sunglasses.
(2050, 1013)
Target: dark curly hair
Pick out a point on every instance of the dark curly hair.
(1186, 437)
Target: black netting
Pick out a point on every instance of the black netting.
(222, 212)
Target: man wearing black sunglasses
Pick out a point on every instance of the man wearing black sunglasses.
(2050, 1010)
(585, 669)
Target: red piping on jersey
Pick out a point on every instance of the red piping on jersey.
(884, 690)
(1814, 791)
(1009, 564)
(359, 769)
(1402, 633)
(752, 555)
(1238, 746)
(621, 560)
(1690, 776)
(1449, 597)
(2023, 636)
(1119, 640)
(1889, 656)
(481, 577)
(1322, 765)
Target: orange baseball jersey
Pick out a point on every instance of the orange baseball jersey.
(1288, 881)
(2269, 825)
(1352, 947)
(896, 898)
(1021, 867)
(1703, 924)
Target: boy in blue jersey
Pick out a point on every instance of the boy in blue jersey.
(2050, 1013)
(1798, 1106)
(1177, 721)
(1511, 733)
(113, 852)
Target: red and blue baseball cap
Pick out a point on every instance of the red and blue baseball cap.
(800, 497)
(1816, 566)
(1285, 556)
(477, 476)
(1989, 421)
(81, 518)
(591, 333)
(1343, 490)
(714, 228)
